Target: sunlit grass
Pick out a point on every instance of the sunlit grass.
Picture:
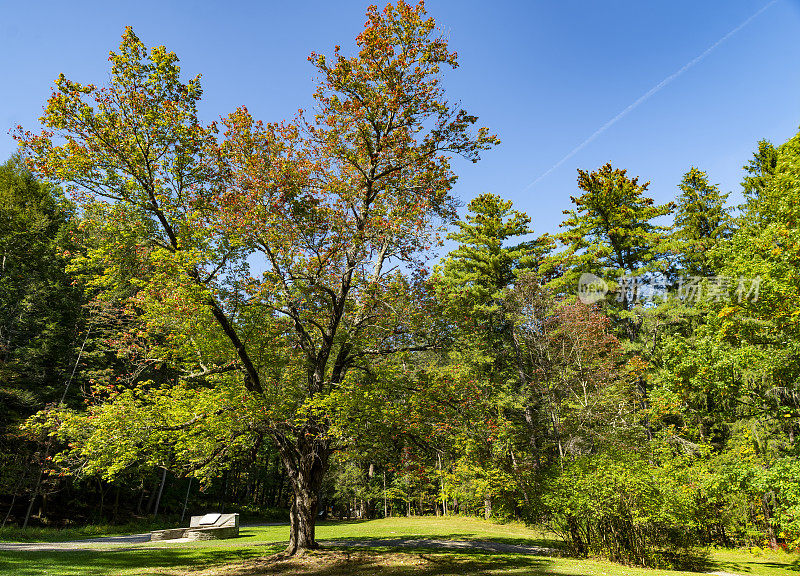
(251, 555)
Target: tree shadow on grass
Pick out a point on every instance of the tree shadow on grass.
(451, 542)
(251, 562)
(420, 532)
(391, 563)
(750, 566)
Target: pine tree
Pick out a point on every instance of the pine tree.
(701, 221)
(477, 273)
(610, 233)
(760, 168)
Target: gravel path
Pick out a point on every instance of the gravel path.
(113, 541)
(107, 541)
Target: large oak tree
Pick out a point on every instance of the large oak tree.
(338, 209)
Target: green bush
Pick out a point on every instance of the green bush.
(622, 508)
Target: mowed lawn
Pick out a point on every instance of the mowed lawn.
(251, 555)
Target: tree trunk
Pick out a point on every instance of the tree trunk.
(277, 496)
(766, 506)
(306, 462)
(160, 492)
(34, 495)
(43, 505)
(221, 506)
(303, 513)
(302, 523)
(116, 506)
(441, 478)
(16, 491)
(186, 500)
(151, 500)
(141, 498)
(385, 507)
(102, 502)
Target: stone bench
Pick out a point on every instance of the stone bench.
(208, 527)
(212, 533)
(168, 534)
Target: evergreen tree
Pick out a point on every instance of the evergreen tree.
(473, 283)
(476, 275)
(41, 318)
(760, 168)
(40, 309)
(610, 233)
(701, 221)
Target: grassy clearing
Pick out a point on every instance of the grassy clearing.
(446, 528)
(250, 555)
(461, 528)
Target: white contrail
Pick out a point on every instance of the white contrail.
(647, 95)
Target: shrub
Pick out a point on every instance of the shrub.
(622, 508)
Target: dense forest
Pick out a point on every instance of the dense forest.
(251, 316)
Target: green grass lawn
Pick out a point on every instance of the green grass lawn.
(246, 555)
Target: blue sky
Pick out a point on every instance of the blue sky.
(543, 75)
